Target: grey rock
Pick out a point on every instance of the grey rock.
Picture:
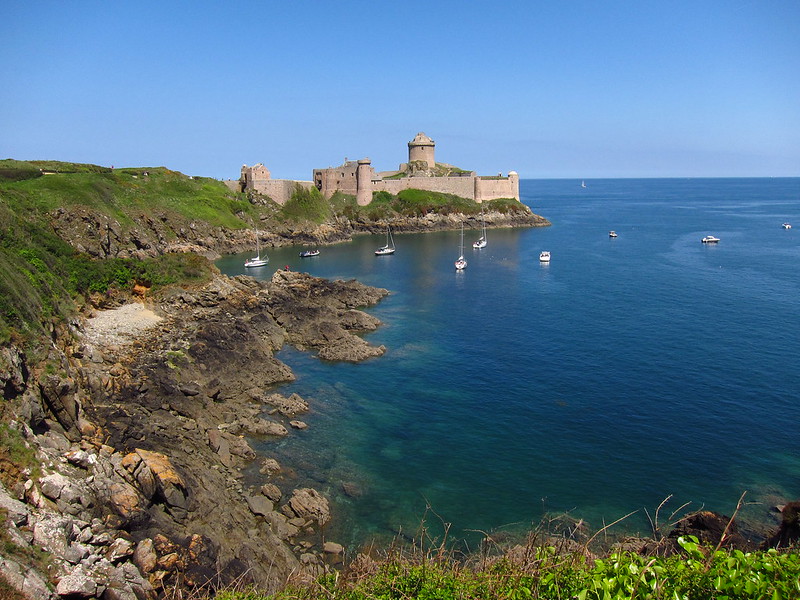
(77, 584)
(259, 505)
(310, 504)
(53, 484)
(25, 580)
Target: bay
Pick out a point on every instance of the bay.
(625, 371)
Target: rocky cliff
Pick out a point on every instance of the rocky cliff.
(140, 418)
(149, 235)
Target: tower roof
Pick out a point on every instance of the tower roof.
(421, 140)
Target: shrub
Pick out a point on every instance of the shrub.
(306, 204)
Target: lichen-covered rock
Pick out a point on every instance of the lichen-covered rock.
(168, 481)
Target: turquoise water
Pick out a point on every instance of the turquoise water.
(625, 371)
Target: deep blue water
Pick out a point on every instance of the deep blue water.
(625, 371)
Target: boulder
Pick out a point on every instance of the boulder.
(144, 556)
(272, 491)
(259, 505)
(288, 407)
(308, 503)
(77, 584)
(168, 481)
(788, 532)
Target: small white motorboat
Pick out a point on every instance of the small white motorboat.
(710, 239)
(544, 256)
(787, 225)
(612, 234)
(309, 253)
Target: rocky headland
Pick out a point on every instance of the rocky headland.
(148, 235)
(141, 423)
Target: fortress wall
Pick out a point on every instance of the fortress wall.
(335, 179)
(489, 189)
(460, 186)
(280, 190)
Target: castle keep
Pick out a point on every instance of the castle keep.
(359, 178)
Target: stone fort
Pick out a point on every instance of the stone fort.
(358, 178)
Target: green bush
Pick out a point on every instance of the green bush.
(306, 204)
(697, 574)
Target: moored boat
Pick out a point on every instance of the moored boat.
(389, 247)
(481, 242)
(461, 263)
(257, 260)
(309, 253)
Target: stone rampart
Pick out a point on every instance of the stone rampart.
(280, 190)
(489, 188)
(474, 188)
(460, 186)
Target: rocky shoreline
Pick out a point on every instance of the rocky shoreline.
(142, 432)
(152, 235)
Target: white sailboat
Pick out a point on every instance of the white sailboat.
(389, 247)
(481, 243)
(257, 260)
(461, 264)
(583, 184)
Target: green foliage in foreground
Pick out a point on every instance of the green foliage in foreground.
(698, 574)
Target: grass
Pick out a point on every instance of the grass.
(548, 572)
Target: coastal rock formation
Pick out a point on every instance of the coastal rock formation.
(101, 236)
(142, 440)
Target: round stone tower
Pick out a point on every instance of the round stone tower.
(364, 182)
(421, 149)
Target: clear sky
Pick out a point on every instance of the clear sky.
(572, 88)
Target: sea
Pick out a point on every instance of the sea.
(643, 376)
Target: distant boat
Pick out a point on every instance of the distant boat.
(612, 234)
(544, 256)
(461, 264)
(710, 239)
(481, 243)
(309, 253)
(389, 247)
(583, 184)
(787, 225)
(257, 260)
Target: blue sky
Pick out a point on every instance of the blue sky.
(576, 88)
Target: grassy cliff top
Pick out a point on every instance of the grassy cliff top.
(42, 186)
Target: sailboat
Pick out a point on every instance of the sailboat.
(481, 243)
(461, 264)
(257, 260)
(583, 184)
(389, 247)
